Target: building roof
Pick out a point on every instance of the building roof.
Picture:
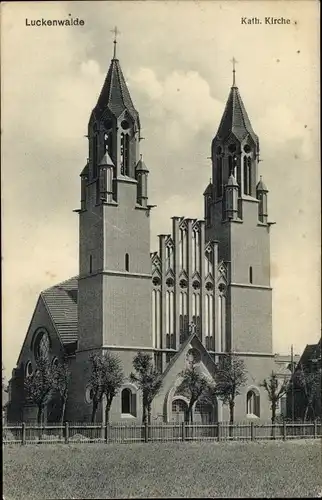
(61, 303)
(115, 95)
(310, 352)
(261, 186)
(235, 119)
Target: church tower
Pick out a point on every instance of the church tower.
(236, 216)
(114, 285)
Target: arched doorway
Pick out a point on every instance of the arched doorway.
(179, 409)
(205, 413)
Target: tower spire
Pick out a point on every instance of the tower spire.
(233, 60)
(116, 32)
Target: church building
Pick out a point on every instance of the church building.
(205, 292)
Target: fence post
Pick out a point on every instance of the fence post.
(145, 432)
(66, 433)
(315, 429)
(23, 433)
(183, 431)
(218, 431)
(252, 431)
(284, 430)
(106, 432)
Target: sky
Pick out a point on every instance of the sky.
(176, 58)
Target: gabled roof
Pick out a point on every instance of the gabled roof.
(310, 352)
(235, 119)
(61, 303)
(193, 337)
(115, 95)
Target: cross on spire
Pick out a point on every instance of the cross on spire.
(116, 32)
(233, 60)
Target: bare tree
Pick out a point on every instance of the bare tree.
(310, 383)
(149, 381)
(40, 386)
(276, 389)
(194, 386)
(230, 377)
(62, 377)
(106, 378)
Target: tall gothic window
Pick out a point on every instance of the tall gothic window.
(222, 320)
(108, 143)
(253, 403)
(156, 323)
(196, 311)
(125, 157)
(183, 318)
(249, 175)
(219, 177)
(95, 156)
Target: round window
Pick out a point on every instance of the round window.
(170, 282)
(29, 369)
(183, 283)
(221, 288)
(108, 124)
(156, 281)
(247, 148)
(89, 394)
(232, 148)
(125, 124)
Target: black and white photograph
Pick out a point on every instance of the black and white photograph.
(161, 249)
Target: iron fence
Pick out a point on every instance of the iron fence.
(75, 432)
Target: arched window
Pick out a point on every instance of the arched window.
(127, 262)
(219, 178)
(249, 175)
(179, 410)
(125, 143)
(95, 156)
(128, 402)
(245, 175)
(28, 370)
(108, 143)
(250, 274)
(156, 323)
(253, 403)
(183, 318)
(42, 345)
(209, 263)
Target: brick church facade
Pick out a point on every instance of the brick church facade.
(206, 291)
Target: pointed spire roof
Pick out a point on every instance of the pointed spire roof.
(232, 181)
(141, 166)
(235, 119)
(208, 189)
(261, 186)
(106, 161)
(115, 95)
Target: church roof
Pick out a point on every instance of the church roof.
(106, 161)
(115, 95)
(61, 303)
(261, 186)
(235, 119)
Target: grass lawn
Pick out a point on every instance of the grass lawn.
(260, 469)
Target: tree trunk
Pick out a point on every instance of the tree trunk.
(273, 412)
(274, 404)
(62, 419)
(107, 411)
(39, 420)
(231, 416)
(94, 410)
